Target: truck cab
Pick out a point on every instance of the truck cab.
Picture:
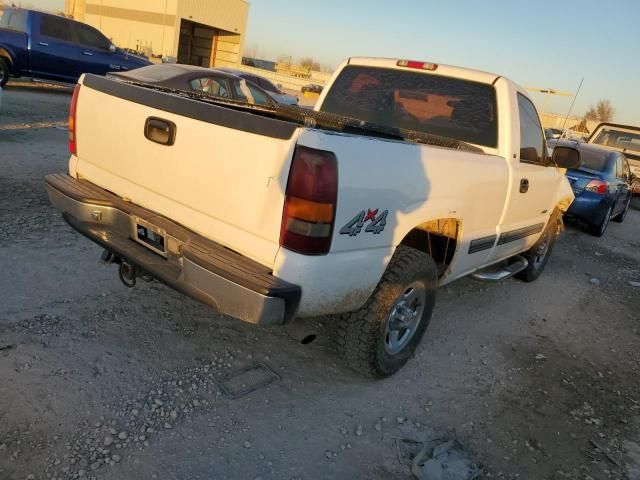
(624, 139)
(54, 48)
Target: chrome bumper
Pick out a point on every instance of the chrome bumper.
(230, 283)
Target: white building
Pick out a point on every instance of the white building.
(197, 32)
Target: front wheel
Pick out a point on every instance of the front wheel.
(4, 72)
(379, 339)
(598, 229)
(539, 254)
(622, 215)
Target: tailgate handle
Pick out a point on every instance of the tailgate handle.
(160, 131)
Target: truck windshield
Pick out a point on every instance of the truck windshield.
(624, 140)
(13, 19)
(432, 104)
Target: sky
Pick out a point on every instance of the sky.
(546, 44)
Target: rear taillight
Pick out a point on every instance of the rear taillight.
(310, 202)
(597, 186)
(73, 149)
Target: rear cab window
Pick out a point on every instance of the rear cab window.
(13, 19)
(56, 27)
(620, 139)
(433, 104)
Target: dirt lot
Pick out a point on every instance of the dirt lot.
(97, 380)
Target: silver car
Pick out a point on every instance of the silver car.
(274, 91)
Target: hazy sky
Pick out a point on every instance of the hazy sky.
(550, 44)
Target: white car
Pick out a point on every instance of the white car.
(275, 91)
(407, 176)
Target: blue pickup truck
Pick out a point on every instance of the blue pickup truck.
(54, 48)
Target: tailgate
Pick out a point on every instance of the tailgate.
(224, 176)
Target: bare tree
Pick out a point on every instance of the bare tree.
(602, 112)
(306, 62)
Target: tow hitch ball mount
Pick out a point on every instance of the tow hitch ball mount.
(126, 272)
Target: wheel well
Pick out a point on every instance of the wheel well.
(5, 56)
(437, 238)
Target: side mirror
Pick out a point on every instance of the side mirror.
(112, 48)
(566, 157)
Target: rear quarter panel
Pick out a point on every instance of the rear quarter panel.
(15, 46)
(414, 184)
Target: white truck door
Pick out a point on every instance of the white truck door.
(532, 187)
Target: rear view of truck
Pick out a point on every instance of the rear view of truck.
(358, 209)
(199, 188)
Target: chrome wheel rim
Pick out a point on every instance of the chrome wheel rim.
(541, 252)
(605, 223)
(404, 318)
(3, 72)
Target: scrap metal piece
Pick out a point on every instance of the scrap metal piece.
(229, 383)
(448, 460)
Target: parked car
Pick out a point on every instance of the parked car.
(621, 138)
(312, 88)
(54, 48)
(408, 175)
(552, 133)
(204, 80)
(274, 91)
(601, 185)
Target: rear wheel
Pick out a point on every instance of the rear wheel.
(598, 229)
(622, 215)
(539, 254)
(4, 72)
(379, 339)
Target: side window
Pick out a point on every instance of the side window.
(218, 87)
(13, 20)
(90, 37)
(55, 27)
(259, 97)
(531, 138)
(267, 85)
(627, 170)
(619, 168)
(238, 91)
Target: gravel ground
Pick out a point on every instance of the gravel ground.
(99, 381)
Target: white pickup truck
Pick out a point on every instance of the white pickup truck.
(406, 176)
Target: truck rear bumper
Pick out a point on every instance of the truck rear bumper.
(192, 264)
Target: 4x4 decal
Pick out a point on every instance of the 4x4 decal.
(355, 225)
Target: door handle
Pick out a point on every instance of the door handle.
(43, 44)
(159, 130)
(524, 185)
(88, 53)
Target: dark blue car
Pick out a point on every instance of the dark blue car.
(601, 185)
(54, 48)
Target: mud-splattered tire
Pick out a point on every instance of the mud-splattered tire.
(373, 340)
(622, 215)
(539, 254)
(599, 229)
(4, 72)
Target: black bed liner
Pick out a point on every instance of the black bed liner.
(277, 122)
